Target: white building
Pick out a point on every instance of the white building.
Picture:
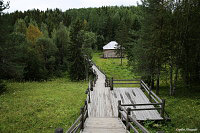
(109, 50)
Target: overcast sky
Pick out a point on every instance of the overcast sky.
(64, 4)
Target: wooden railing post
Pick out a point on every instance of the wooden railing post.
(89, 95)
(91, 85)
(127, 118)
(86, 105)
(119, 104)
(162, 112)
(59, 130)
(111, 84)
(82, 118)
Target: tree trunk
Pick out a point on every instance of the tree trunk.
(171, 80)
(175, 81)
(121, 54)
(158, 84)
(152, 83)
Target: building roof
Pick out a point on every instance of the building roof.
(111, 45)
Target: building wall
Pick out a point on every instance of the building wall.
(109, 53)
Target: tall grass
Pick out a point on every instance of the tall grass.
(40, 106)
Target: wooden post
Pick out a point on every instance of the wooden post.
(91, 85)
(59, 130)
(111, 84)
(162, 112)
(89, 95)
(119, 104)
(86, 104)
(127, 118)
(82, 118)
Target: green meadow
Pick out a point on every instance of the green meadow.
(40, 106)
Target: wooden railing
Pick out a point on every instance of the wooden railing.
(154, 99)
(158, 103)
(129, 119)
(123, 81)
(78, 125)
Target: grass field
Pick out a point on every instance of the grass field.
(43, 106)
(184, 108)
(112, 67)
(40, 106)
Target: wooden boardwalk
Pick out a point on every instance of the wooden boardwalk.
(104, 102)
(101, 99)
(106, 107)
(104, 125)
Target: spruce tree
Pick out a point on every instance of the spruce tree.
(76, 58)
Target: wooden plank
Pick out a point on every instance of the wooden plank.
(109, 125)
(126, 83)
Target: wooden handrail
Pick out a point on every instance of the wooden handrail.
(79, 123)
(146, 109)
(76, 129)
(144, 130)
(74, 125)
(116, 81)
(126, 79)
(132, 127)
(148, 90)
(141, 104)
(126, 83)
(129, 119)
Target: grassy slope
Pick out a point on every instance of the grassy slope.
(184, 108)
(41, 106)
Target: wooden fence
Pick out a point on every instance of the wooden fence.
(129, 119)
(78, 125)
(123, 81)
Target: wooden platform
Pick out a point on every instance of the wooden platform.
(104, 102)
(135, 96)
(104, 125)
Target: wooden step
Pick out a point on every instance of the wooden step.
(104, 125)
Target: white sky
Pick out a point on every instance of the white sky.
(23, 5)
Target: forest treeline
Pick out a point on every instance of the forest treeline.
(36, 45)
(159, 36)
(168, 43)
